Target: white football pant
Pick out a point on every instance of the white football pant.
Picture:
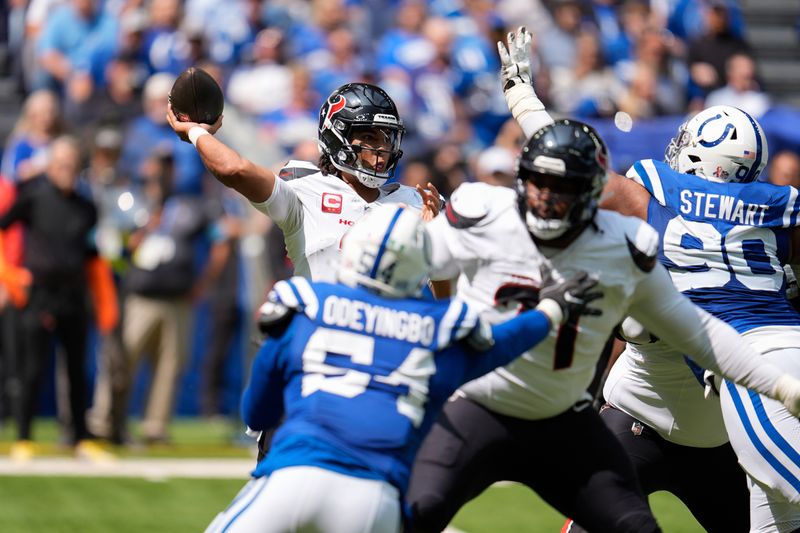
(766, 437)
(311, 500)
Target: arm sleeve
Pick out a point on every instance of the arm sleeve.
(709, 341)
(443, 262)
(527, 109)
(283, 207)
(262, 401)
(511, 339)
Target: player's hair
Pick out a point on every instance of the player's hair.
(326, 167)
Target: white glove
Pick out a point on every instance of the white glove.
(516, 59)
(792, 290)
(787, 391)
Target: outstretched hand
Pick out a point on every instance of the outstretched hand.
(516, 59)
(182, 128)
(431, 201)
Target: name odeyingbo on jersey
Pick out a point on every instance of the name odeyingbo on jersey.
(378, 320)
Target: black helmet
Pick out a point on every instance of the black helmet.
(353, 106)
(570, 160)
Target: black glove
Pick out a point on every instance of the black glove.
(569, 298)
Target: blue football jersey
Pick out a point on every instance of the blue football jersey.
(724, 244)
(359, 378)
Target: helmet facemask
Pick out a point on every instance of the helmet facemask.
(367, 145)
(554, 205)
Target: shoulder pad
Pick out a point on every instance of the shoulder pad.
(467, 206)
(643, 247)
(397, 192)
(297, 169)
(273, 318)
(651, 174)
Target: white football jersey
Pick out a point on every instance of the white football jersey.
(483, 235)
(315, 210)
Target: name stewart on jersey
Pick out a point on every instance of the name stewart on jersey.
(378, 320)
(722, 207)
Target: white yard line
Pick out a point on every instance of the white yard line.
(153, 469)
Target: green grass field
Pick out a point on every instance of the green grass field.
(121, 505)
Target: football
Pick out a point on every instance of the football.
(196, 97)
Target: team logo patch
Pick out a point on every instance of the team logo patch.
(331, 203)
(335, 107)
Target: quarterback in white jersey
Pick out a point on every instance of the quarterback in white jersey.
(359, 136)
(316, 210)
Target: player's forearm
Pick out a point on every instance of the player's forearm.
(527, 109)
(262, 401)
(234, 171)
(712, 343)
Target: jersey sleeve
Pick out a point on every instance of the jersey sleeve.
(649, 174)
(458, 322)
(443, 263)
(788, 201)
(297, 294)
(262, 401)
(283, 206)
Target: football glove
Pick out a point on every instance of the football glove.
(792, 290)
(568, 298)
(516, 59)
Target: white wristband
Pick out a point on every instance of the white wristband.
(195, 132)
(552, 311)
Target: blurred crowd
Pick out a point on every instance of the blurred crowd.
(95, 76)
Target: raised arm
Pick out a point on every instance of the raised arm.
(232, 170)
(625, 196)
(525, 106)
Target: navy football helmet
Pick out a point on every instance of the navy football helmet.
(347, 113)
(567, 162)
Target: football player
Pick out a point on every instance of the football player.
(359, 368)
(531, 421)
(724, 238)
(359, 135)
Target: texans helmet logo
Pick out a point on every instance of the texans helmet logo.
(335, 107)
